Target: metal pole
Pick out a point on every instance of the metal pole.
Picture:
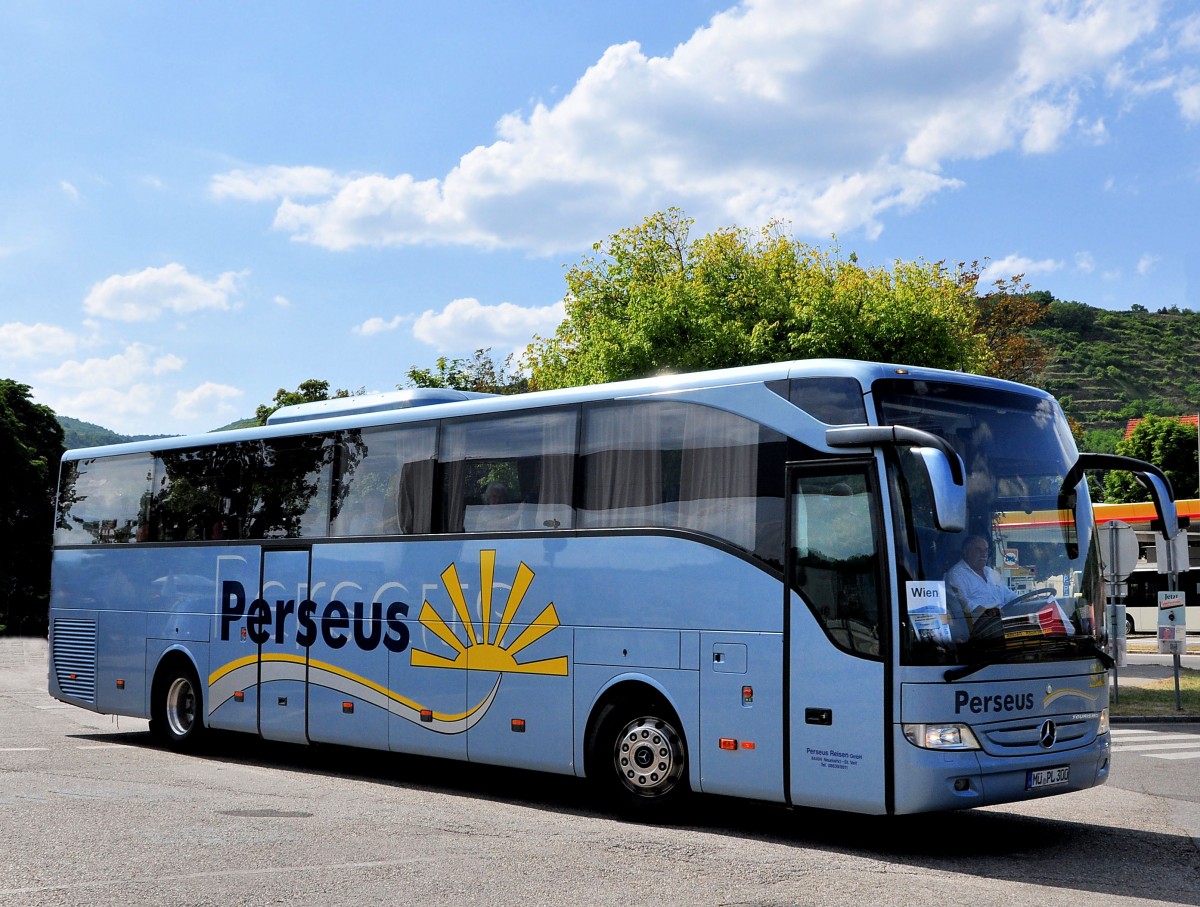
(1173, 586)
(1112, 587)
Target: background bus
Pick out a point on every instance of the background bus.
(731, 582)
(1144, 584)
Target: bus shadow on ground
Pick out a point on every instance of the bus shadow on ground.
(990, 844)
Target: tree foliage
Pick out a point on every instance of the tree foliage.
(1168, 444)
(310, 391)
(651, 298)
(1004, 319)
(31, 444)
(480, 373)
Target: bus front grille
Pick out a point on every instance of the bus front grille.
(73, 656)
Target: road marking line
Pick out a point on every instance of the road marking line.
(1127, 748)
(24, 749)
(1194, 754)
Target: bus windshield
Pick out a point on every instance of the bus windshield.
(1022, 583)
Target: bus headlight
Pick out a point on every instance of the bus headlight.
(1102, 727)
(941, 736)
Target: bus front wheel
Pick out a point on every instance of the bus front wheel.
(176, 717)
(640, 760)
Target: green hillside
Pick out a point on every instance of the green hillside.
(1108, 367)
(78, 433)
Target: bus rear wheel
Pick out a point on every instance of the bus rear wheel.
(176, 717)
(640, 760)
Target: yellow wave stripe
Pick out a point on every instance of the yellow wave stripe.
(230, 668)
(339, 672)
(1058, 694)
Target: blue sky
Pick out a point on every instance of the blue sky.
(202, 203)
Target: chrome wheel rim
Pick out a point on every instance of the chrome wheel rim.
(648, 756)
(181, 707)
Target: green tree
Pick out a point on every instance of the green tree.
(480, 373)
(31, 444)
(310, 391)
(1168, 444)
(651, 299)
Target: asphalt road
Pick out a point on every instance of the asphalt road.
(92, 812)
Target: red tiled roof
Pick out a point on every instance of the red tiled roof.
(1193, 421)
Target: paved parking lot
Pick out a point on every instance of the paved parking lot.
(92, 812)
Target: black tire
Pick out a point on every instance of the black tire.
(638, 760)
(1128, 625)
(176, 710)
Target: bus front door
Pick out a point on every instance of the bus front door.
(282, 661)
(836, 631)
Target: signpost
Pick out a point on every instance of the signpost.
(1118, 556)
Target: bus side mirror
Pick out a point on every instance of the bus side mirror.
(949, 499)
(943, 466)
(1148, 475)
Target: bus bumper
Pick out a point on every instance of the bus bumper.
(929, 780)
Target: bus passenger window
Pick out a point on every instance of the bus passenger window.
(104, 501)
(509, 473)
(384, 481)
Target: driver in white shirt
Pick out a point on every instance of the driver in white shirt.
(976, 589)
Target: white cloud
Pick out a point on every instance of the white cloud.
(378, 325)
(69, 190)
(122, 370)
(1188, 99)
(832, 114)
(1012, 265)
(209, 400)
(35, 341)
(267, 183)
(467, 324)
(145, 295)
(282, 301)
(105, 405)
(1085, 262)
(1146, 263)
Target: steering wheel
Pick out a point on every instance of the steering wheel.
(1040, 596)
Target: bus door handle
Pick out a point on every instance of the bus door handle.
(818, 716)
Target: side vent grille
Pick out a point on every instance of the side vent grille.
(73, 657)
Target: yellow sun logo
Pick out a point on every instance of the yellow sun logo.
(484, 648)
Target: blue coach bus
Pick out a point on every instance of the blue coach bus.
(736, 582)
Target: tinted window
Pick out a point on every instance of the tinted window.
(685, 466)
(384, 481)
(835, 401)
(287, 495)
(103, 501)
(509, 473)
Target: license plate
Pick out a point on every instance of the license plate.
(1047, 777)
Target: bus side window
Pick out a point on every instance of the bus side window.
(384, 481)
(686, 466)
(104, 500)
(509, 473)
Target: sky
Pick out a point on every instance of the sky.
(203, 203)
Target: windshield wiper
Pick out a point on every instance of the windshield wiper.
(1087, 645)
(966, 670)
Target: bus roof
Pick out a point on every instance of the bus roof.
(374, 410)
